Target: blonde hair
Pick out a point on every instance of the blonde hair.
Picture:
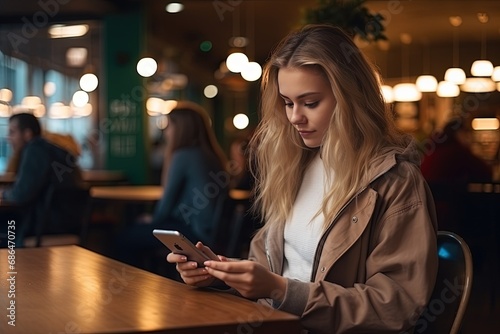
(360, 130)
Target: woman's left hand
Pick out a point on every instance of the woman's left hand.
(251, 279)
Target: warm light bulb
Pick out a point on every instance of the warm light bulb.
(210, 91)
(406, 92)
(251, 71)
(496, 74)
(146, 67)
(5, 95)
(31, 101)
(447, 89)
(49, 88)
(89, 82)
(485, 124)
(80, 98)
(455, 75)
(426, 83)
(84, 111)
(478, 85)
(174, 7)
(240, 121)
(155, 105)
(387, 93)
(236, 61)
(481, 68)
(58, 110)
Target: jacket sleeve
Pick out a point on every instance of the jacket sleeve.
(400, 269)
(32, 176)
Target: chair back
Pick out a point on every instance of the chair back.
(234, 227)
(63, 216)
(446, 308)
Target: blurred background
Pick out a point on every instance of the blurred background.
(46, 48)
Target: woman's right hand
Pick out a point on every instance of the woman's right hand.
(190, 273)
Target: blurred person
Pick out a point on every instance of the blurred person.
(449, 166)
(42, 167)
(349, 240)
(241, 178)
(64, 141)
(195, 178)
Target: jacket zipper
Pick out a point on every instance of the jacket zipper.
(323, 237)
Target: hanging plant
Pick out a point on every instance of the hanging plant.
(351, 16)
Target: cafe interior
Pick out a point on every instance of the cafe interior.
(107, 72)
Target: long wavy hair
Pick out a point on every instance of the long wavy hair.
(360, 130)
(192, 128)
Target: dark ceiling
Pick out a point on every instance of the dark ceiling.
(265, 22)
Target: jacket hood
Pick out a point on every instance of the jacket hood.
(407, 152)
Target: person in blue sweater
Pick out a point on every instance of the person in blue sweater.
(43, 167)
(194, 179)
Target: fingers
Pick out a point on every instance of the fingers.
(206, 250)
(229, 266)
(176, 258)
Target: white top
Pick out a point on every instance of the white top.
(303, 229)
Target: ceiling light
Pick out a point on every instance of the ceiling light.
(496, 74)
(31, 101)
(5, 109)
(481, 68)
(64, 31)
(485, 124)
(89, 82)
(155, 105)
(455, 75)
(251, 71)
(236, 61)
(387, 93)
(49, 88)
(426, 83)
(478, 85)
(5, 95)
(84, 111)
(80, 98)
(76, 57)
(146, 67)
(240, 121)
(447, 89)
(59, 110)
(238, 41)
(174, 7)
(210, 91)
(406, 92)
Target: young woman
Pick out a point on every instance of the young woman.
(349, 241)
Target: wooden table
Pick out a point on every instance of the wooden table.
(69, 289)
(103, 177)
(90, 176)
(128, 193)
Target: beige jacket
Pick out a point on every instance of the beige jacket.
(375, 266)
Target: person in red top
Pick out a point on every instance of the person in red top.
(448, 167)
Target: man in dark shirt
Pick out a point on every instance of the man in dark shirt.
(43, 169)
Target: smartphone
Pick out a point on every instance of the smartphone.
(179, 244)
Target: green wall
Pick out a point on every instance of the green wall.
(124, 123)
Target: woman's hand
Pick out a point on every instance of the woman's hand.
(251, 279)
(190, 273)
